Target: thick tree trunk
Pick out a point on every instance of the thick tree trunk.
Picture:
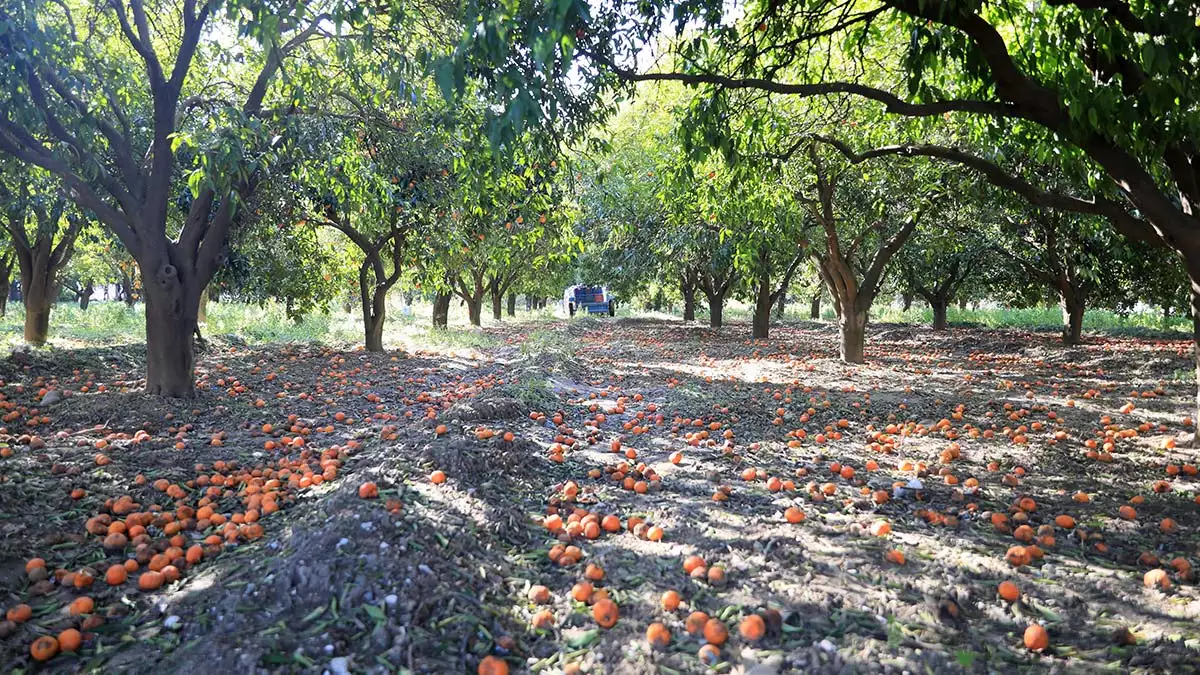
(814, 309)
(4, 298)
(441, 309)
(716, 309)
(781, 305)
(37, 321)
(511, 304)
(475, 310)
(853, 327)
(658, 301)
(1072, 310)
(171, 308)
(762, 308)
(939, 313)
(1166, 316)
(907, 299)
(962, 304)
(373, 327)
(38, 295)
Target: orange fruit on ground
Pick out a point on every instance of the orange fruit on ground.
(895, 556)
(582, 591)
(368, 490)
(709, 655)
(543, 620)
(658, 635)
(695, 622)
(752, 628)
(670, 601)
(1009, 591)
(693, 562)
(794, 515)
(1036, 638)
(594, 572)
(43, 648)
(1064, 521)
(716, 575)
(437, 477)
(116, 575)
(70, 640)
(881, 528)
(34, 563)
(1018, 555)
(606, 613)
(1158, 578)
(1127, 512)
(82, 605)
(539, 594)
(151, 580)
(493, 665)
(19, 613)
(715, 632)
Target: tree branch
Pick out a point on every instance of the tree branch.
(891, 102)
(1120, 217)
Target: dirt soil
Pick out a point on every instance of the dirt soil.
(277, 557)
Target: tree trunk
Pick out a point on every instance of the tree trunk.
(85, 295)
(762, 308)
(475, 310)
(127, 289)
(441, 309)
(781, 305)
(716, 308)
(853, 327)
(962, 304)
(814, 309)
(37, 321)
(497, 303)
(658, 301)
(38, 295)
(689, 303)
(202, 312)
(907, 299)
(939, 313)
(512, 304)
(5, 283)
(1166, 316)
(373, 327)
(1072, 310)
(171, 308)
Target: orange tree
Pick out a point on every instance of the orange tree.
(509, 217)
(42, 227)
(382, 182)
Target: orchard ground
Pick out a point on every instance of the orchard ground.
(339, 553)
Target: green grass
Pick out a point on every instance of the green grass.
(108, 323)
(1036, 318)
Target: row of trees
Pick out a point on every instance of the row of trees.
(810, 222)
